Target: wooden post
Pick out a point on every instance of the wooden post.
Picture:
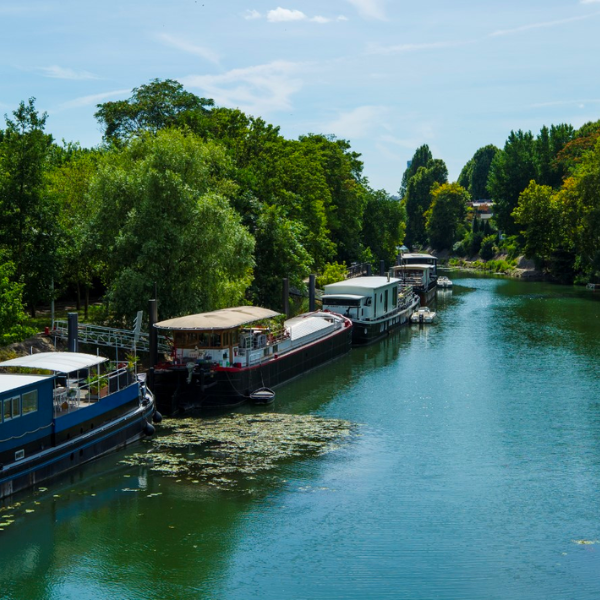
(312, 301)
(381, 268)
(72, 334)
(286, 297)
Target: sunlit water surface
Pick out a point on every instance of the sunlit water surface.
(472, 475)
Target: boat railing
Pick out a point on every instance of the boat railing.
(76, 393)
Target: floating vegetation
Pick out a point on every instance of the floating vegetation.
(216, 451)
(585, 542)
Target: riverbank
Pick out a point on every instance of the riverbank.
(521, 268)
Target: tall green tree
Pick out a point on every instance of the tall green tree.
(511, 171)
(163, 217)
(539, 215)
(420, 158)
(446, 214)
(418, 199)
(282, 255)
(384, 226)
(28, 218)
(12, 315)
(151, 107)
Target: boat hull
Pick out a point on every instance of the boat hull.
(176, 390)
(71, 453)
(368, 332)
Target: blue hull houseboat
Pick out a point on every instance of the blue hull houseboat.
(223, 358)
(376, 305)
(420, 272)
(64, 412)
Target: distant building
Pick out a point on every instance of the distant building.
(482, 209)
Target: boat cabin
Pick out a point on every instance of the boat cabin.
(241, 336)
(419, 259)
(62, 391)
(362, 298)
(415, 274)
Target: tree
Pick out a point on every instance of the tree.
(420, 158)
(384, 225)
(445, 215)
(282, 255)
(482, 162)
(151, 107)
(511, 171)
(12, 315)
(538, 213)
(342, 169)
(162, 217)
(28, 225)
(418, 199)
(68, 184)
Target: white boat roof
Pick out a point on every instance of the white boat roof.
(412, 266)
(300, 327)
(342, 296)
(226, 318)
(9, 383)
(418, 255)
(360, 283)
(59, 362)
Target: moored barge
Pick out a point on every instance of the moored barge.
(64, 412)
(220, 358)
(376, 305)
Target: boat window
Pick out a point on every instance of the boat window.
(16, 407)
(30, 402)
(7, 411)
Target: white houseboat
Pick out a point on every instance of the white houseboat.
(376, 305)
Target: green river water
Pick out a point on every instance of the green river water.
(473, 473)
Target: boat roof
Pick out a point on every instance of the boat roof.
(364, 283)
(342, 296)
(305, 325)
(14, 382)
(59, 362)
(412, 266)
(418, 255)
(225, 318)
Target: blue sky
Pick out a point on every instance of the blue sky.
(386, 75)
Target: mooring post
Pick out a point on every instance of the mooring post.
(152, 332)
(381, 268)
(286, 297)
(153, 341)
(369, 270)
(72, 324)
(312, 298)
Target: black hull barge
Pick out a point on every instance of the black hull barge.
(51, 424)
(220, 359)
(376, 305)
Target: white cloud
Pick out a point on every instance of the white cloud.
(180, 44)
(256, 90)
(279, 15)
(321, 20)
(358, 123)
(93, 99)
(543, 25)
(57, 72)
(249, 15)
(405, 48)
(370, 9)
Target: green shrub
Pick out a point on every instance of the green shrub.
(487, 249)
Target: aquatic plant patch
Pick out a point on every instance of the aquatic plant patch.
(218, 451)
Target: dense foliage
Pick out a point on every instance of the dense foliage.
(207, 205)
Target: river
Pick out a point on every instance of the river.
(473, 473)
